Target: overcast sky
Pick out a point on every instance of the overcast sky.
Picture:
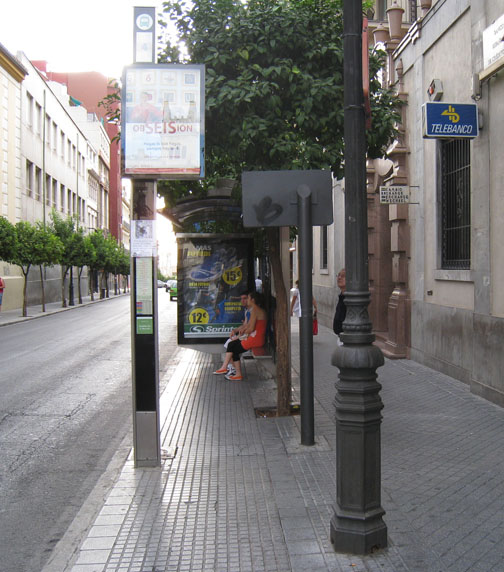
(91, 35)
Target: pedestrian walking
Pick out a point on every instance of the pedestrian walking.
(2, 286)
(258, 284)
(295, 307)
(340, 313)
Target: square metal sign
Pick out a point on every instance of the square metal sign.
(450, 120)
(269, 198)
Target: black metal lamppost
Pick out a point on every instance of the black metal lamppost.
(357, 526)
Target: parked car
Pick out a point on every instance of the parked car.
(171, 286)
(161, 284)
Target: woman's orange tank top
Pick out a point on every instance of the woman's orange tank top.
(257, 338)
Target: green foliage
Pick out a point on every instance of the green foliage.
(7, 239)
(274, 86)
(64, 229)
(48, 248)
(98, 241)
(26, 239)
(111, 103)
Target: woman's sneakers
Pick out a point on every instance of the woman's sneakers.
(230, 373)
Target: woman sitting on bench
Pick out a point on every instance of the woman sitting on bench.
(256, 336)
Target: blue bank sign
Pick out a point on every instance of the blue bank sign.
(450, 120)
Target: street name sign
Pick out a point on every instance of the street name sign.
(449, 120)
(394, 195)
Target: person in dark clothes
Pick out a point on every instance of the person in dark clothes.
(340, 314)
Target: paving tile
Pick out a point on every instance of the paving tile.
(239, 494)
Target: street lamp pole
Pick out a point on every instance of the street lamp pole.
(357, 526)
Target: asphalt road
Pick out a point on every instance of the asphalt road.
(65, 409)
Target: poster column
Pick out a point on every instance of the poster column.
(144, 327)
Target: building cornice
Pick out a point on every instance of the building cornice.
(11, 65)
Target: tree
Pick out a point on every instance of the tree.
(82, 253)
(112, 260)
(7, 239)
(27, 238)
(64, 229)
(274, 99)
(125, 267)
(99, 262)
(47, 251)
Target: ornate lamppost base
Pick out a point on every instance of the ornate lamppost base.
(357, 526)
(355, 536)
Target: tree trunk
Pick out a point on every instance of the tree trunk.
(91, 279)
(42, 287)
(64, 271)
(25, 304)
(81, 270)
(283, 369)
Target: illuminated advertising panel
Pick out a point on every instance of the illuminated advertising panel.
(213, 270)
(163, 121)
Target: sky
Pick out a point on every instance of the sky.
(91, 35)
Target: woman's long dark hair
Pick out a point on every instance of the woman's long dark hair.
(258, 298)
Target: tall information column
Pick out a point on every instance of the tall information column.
(144, 323)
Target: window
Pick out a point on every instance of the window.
(29, 178)
(29, 110)
(69, 153)
(62, 145)
(38, 119)
(62, 198)
(455, 203)
(69, 201)
(55, 137)
(323, 247)
(48, 130)
(48, 190)
(54, 193)
(38, 183)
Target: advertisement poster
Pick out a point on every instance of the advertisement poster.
(212, 273)
(163, 121)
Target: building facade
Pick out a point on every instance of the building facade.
(440, 255)
(455, 54)
(90, 89)
(12, 74)
(434, 264)
(54, 157)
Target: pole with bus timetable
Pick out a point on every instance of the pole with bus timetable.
(144, 307)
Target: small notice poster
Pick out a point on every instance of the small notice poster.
(143, 238)
(144, 286)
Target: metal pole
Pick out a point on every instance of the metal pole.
(306, 320)
(144, 336)
(357, 526)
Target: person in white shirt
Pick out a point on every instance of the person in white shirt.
(295, 307)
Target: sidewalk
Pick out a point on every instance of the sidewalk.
(13, 316)
(239, 493)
